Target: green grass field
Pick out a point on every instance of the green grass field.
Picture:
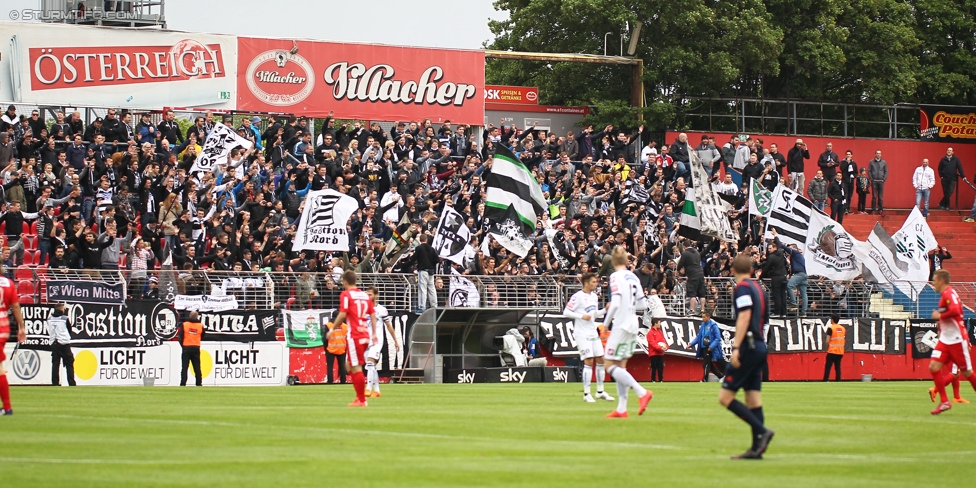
(847, 434)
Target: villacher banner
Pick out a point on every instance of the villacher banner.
(947, 124)
(361, 81)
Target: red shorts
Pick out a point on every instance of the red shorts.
(4, 336)
(356, 350)
(957, 354)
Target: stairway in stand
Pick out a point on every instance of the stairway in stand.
(955, 235)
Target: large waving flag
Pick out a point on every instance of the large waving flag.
(513, 202)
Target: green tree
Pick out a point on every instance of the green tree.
(947, 50)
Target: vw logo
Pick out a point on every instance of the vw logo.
(27, 364)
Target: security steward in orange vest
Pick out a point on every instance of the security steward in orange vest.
(837, 336)
(190, 335)
(335, 351)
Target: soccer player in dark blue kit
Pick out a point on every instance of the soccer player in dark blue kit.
(748, 356)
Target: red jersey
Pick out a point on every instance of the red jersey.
(357, 307)
(8, 296)
(951, 327)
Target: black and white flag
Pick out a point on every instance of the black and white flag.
(635, 193)
(322, 226)
(217, 147)
(452, 236)
(790, 216)
(463, 292)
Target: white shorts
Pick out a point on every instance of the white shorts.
(373, 352)
(620, 345)
(590, 347)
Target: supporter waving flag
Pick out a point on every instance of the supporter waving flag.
(513, 202)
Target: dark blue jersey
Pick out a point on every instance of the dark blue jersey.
(750, 296)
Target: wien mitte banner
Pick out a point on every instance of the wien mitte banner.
(360, 81)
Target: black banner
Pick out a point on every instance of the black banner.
(947, 124)
(99, 292)
(514, 375)
(466, 376)
(924, 335)
(551, 374)
(882, 336)
(240, 325)
(136, 323)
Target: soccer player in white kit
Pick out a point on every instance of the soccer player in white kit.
(584, 308)
(626, 298)
(374, 351)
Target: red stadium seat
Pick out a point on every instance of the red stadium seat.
(24, 273)
(30, 243)
(41, 271)
(3, 227)
(32, 230)
(29, 258)
(25, 287)
(26, 299)
(289, 304)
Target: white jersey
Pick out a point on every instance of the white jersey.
(383, 316)
(626, 299)
(580, 304)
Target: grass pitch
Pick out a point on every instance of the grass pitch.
(846, 434)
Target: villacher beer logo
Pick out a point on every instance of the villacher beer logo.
(72, 67)
(280, 78)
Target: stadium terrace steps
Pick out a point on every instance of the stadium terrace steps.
(886, 308)
(949, 229)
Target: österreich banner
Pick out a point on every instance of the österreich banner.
(125, 68)
(361, 81)
(947, 124)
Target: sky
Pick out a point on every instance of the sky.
(461, 24)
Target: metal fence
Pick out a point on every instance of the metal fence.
(849, 299)
(252, 290)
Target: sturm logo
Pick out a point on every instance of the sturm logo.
(280, 78)
(459, 298)
(165, 324)
(27, 364)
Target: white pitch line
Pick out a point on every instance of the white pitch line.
(419, 435)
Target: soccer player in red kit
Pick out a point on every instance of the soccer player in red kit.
(8, 306)
(355, 307)
(953, 346)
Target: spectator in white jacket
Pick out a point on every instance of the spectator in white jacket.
(923, 180)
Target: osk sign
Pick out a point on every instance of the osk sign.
(361, 81)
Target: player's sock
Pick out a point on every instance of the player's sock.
(621, 397)
(370, 375)
(600, 374)
(5, 392)
(622, 376)
(955, 387)
(759, 415)
(587, 375)
(940, 385)
(359, 383)
(743, 412)
(972, 380)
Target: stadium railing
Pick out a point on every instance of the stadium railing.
(265, 290)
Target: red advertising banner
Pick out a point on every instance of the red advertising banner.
(360, 81)
(528, 95)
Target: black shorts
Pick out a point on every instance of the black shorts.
(695, 287)
(748, 376)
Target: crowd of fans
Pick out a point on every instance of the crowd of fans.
(117, 194)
